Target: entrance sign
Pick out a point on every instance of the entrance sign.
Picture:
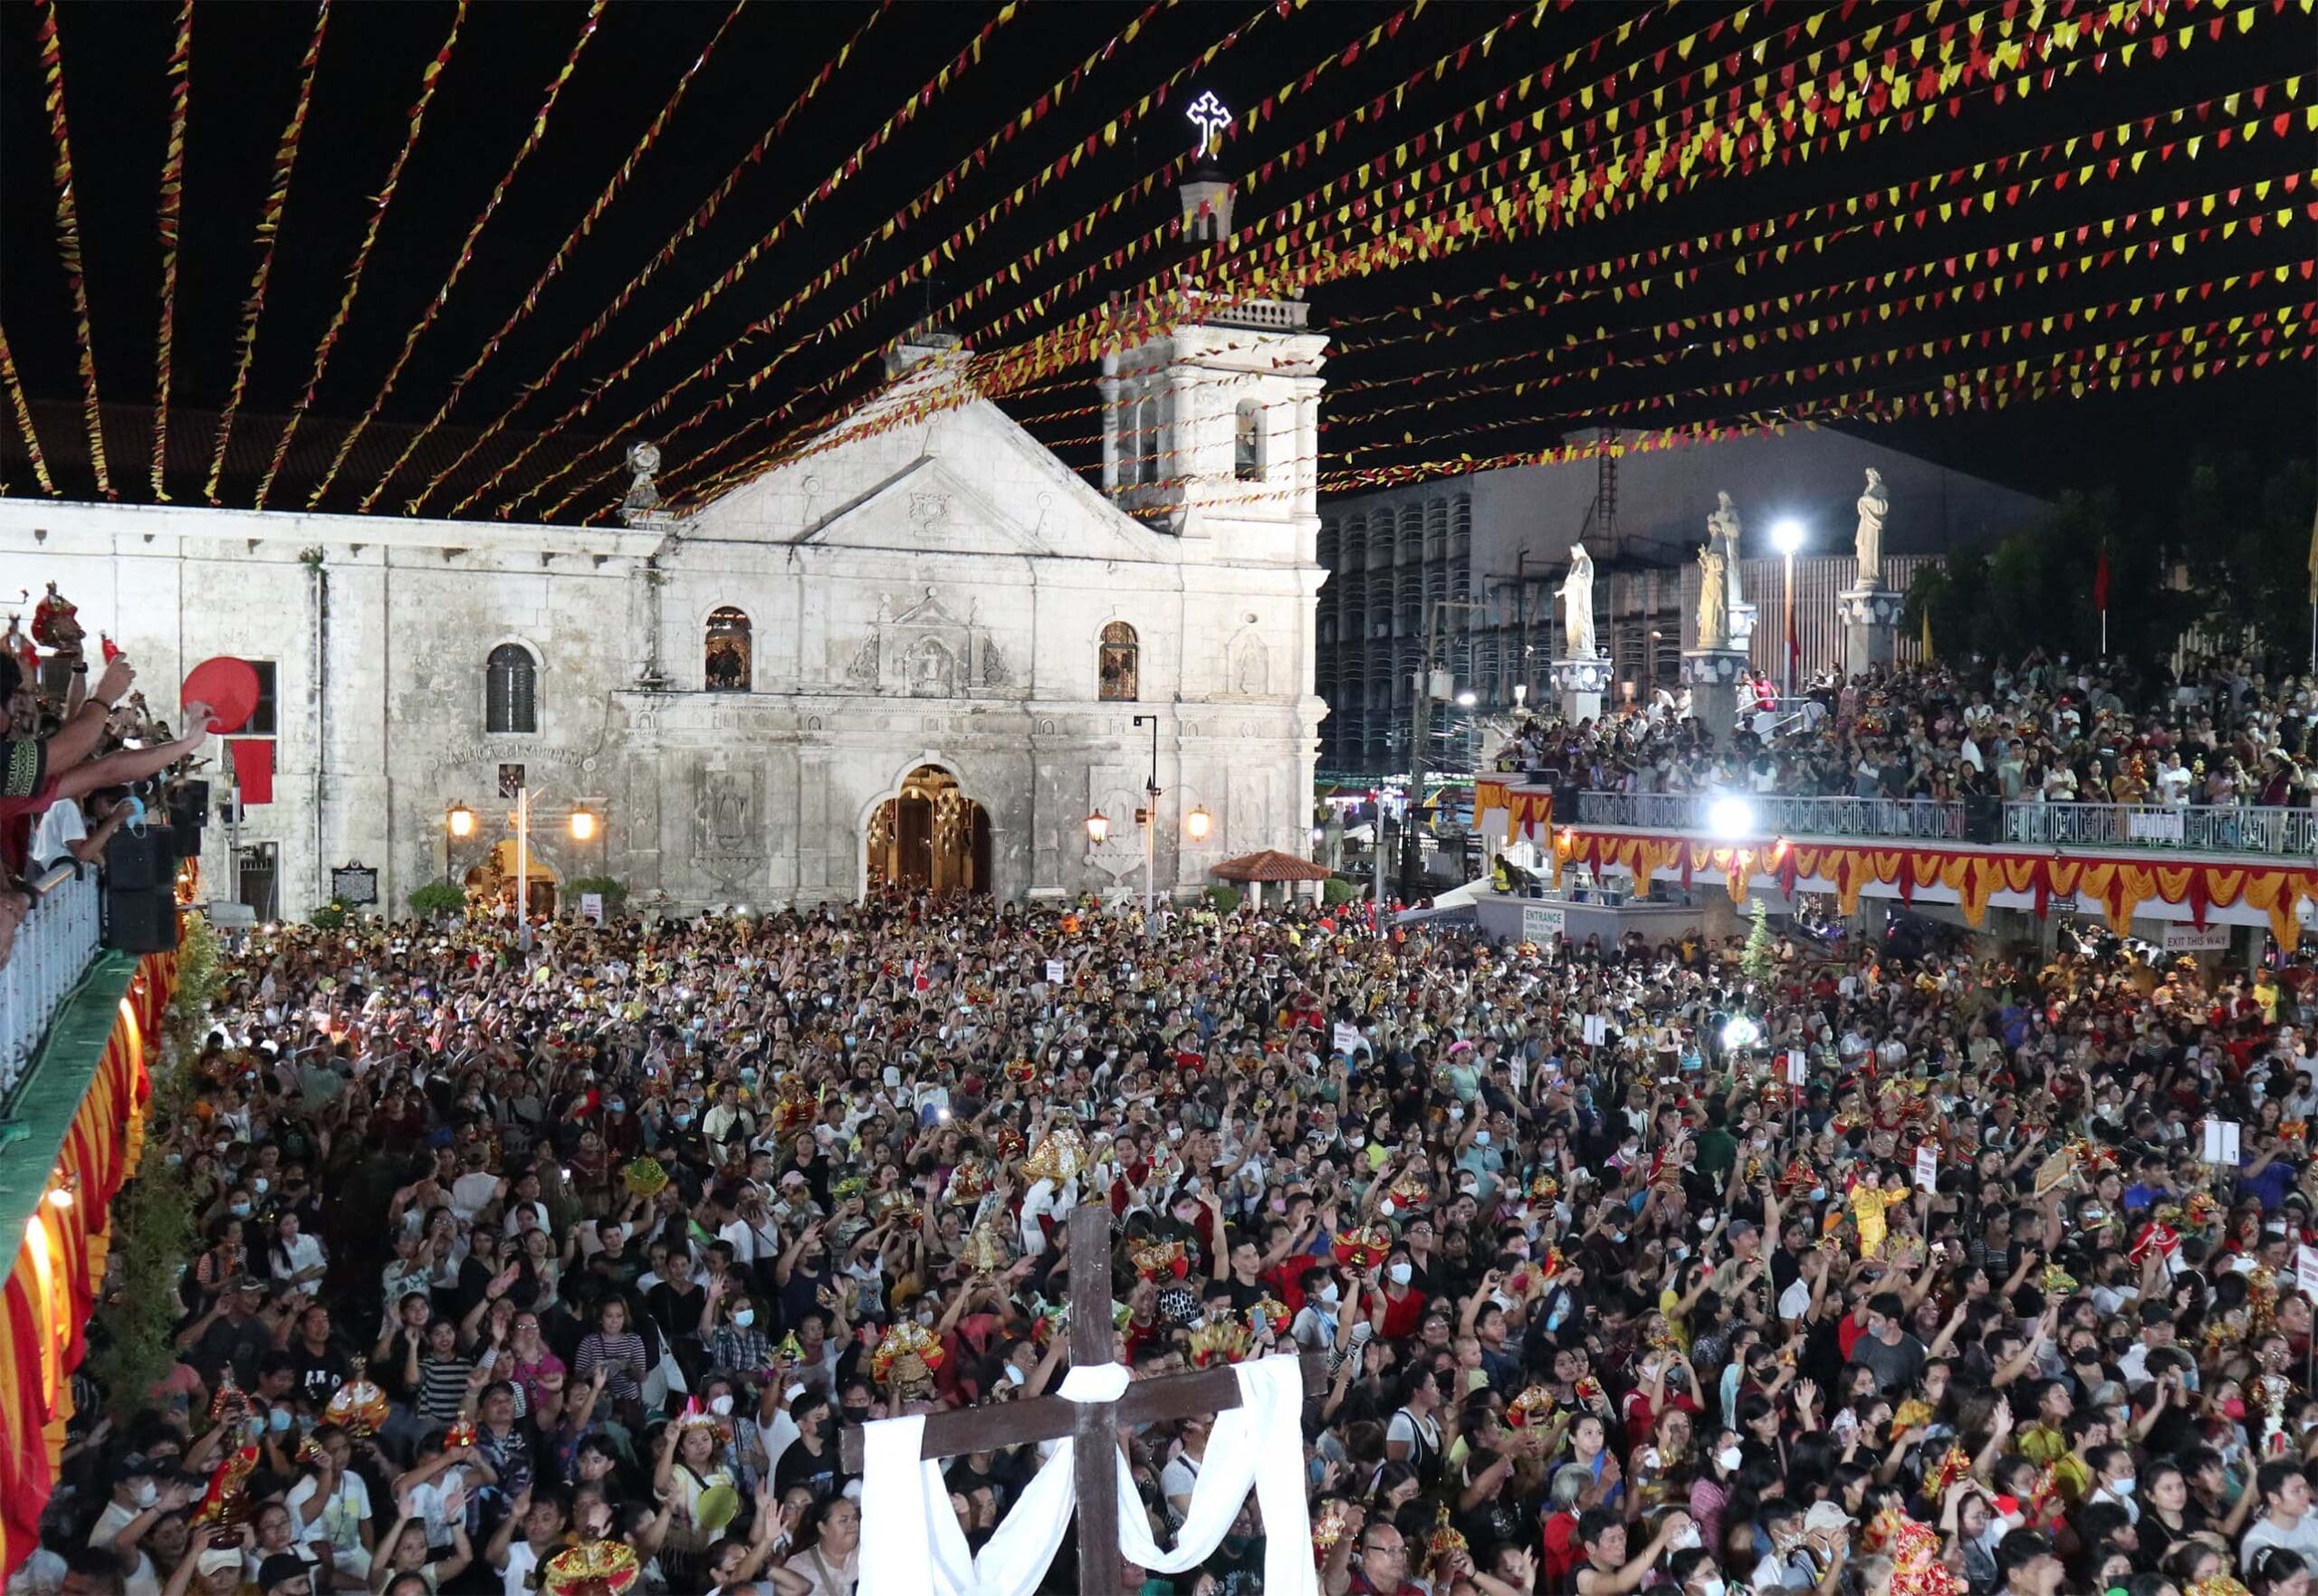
(1542, 922)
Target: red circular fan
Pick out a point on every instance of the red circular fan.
(228, 686)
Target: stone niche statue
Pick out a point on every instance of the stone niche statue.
(1577, 596)
(1874, 506)
(1722, 530)
(1714, 600)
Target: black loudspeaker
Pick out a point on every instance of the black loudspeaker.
(189, 812)
(135, 864)
(141, 922)
(187, 840)
(196, 793)
(1983, 819)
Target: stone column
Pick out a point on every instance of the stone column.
(1579, 684)
(1742, 626)
(1714, 676)
(1870, 622)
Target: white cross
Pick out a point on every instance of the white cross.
(1212, 115)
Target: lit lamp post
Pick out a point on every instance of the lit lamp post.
(1786, 537)
(458, 825)
(1099, 827)
(1147, 817)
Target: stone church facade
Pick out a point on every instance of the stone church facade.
(738, 697)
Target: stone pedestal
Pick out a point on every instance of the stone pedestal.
(1716, 677)
(1578, 685)
(1871, 623)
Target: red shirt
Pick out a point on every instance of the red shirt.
(25, 790)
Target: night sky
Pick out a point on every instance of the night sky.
(1404, 352)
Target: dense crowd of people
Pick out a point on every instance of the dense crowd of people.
(2043, 729)
(563, 1269)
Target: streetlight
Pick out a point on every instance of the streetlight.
(1196, 823)
(1098, 827)
(458, 824)
(1468, 699)
(1731, 819)
(583, 824)
(1786, 537)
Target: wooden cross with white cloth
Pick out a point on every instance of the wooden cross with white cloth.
(907, 1518)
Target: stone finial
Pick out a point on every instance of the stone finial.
(643, 495)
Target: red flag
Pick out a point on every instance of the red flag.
(254, 768)
(2101, 580)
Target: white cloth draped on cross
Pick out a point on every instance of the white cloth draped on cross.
(911, 1539)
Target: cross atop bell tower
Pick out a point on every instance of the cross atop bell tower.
(1207, 189)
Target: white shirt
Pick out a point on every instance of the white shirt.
(516, 1579)
(60, 825)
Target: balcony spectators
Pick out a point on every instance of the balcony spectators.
(75, 768)
(2045, 729)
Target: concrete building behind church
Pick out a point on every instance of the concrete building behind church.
(918, 657)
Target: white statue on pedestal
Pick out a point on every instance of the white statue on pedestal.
(1722, 529)
(1874, 506)
(1577, 596)
(1714, 600)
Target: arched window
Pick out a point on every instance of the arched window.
(726, 651)
(511, 690)
(1248, 442)
(1120, 668)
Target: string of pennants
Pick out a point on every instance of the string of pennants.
(22, 414)
(68, 241)
(966, 58)
(531, 139)
(172, 204)
(702, 215)
(430, 78)
(1883, 206)
(1074, 343)
(269, 233)
(922, 203)
(580, 229)
(1537, 153)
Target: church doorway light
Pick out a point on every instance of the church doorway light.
(929, 836)
(491, 883)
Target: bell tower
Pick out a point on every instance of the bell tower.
(1211, 400)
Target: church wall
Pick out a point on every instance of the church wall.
(935, 593)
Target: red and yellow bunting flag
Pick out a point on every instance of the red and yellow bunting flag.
(68, 238)
(1080, 339)
(430, 78)
(704, 212)
(532, 138)
(172, 201)
(585, 226)
(23, 414)
(947, 251)
(269, 233)
(965, 60)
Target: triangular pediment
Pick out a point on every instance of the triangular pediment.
(923, 507)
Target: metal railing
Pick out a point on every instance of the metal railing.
(2199, 828)
(1771, 816)
(54, 947)
(2277, 832)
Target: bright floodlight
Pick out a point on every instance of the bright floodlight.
(1731, 819)
(1468, 699)
(1740, 1033)
(1787, 536)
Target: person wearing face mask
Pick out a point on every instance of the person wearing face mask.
(1315, 1327)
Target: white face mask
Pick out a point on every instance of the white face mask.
(1730, 1457)
(147, 1493)
(1330, 1296)
(1710, 1586)
(1481, 1138)
(1685, 1539)
(1401, 1273)
(720, 1404)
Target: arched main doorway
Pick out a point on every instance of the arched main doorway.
(493, 881)
(929, 836)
